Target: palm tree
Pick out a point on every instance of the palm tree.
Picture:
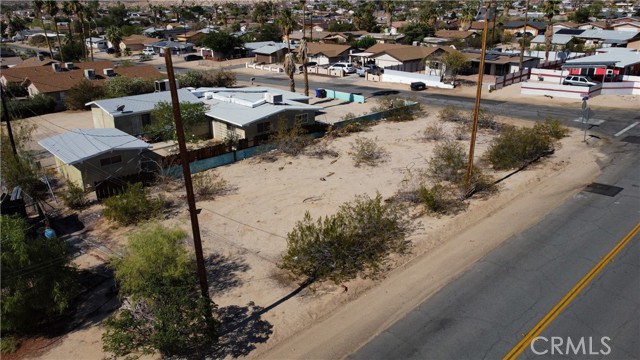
(468, 14)
(114, 35)
(506, 6)
(51, 8)
(68, 11)
(287, 22)
(77, 8)
(389, 7)
(89, 12)
(38, 8)
(303, 52)
(290, 69)
(550, 9)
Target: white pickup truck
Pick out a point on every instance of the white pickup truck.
(371, 68)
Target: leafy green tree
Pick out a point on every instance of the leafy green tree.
(193, 115)
(340, 27)
(261, 13)
(165, 313)
(114, 35)
(364, 19)
(38, 280)
(454, 62)
(221, 42)
(416, 32)
(83, 92)
(36, 105)
(365, 42)
(268, 32)
(119, 86)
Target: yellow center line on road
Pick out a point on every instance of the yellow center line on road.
(566, 300)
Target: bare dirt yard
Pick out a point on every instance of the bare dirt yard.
(244, 235)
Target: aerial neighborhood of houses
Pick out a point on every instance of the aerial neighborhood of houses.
(86, 88)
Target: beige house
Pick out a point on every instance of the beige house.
(86, 157)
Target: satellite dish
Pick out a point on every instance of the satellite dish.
(120, 108)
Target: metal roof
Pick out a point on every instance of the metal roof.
(80, 144)
(560, 39)
(619, 35)
(270, 49)
(241, 107)
(141, 104)
(618, 57)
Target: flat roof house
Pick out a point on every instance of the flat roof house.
(255, 112)
(131, 114)
(88, 156)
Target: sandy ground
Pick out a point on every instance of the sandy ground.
(244, 236)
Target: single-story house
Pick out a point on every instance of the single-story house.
(255, 112)
(88, 156)
(343, 37)
(401, 57)
(137, 42)
(451, 35)
(325, 54)
(176, 47)
(627, 26)
(39, 60)
(191, 36)
(384, 38)
(132, 113)
(607, 38)
(96, 43)
(558, 41)
(270, 53)
(516, 28)
(499, 63)
(251, 46)
(56, 79)
(608, 61)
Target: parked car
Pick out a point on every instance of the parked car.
(578, 80)
(346, 67)
(310, 64)
(418, 85)
(192, 57)
(149, 52)
(370, 68)
(111, 51)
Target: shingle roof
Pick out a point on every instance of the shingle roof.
(46, 80)
(453, 34)
(405, 52)
(329, 50)
(519, 23)
(34, 61)
(80, 144)
(138, 39)
(139, 104)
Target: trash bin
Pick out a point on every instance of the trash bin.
(323, 93)
(318, 92)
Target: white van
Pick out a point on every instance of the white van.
(148, 51)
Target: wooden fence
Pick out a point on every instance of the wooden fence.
(512, 78)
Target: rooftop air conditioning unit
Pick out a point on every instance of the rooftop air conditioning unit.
(90, 74)
(163, 85)
(55, 67)
(273, 98)
(109, 72)
(68, 65)
(208, 95)
(40, 57)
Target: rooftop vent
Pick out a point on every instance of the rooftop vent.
(68, 65)
(109, 72)
(90, 74)
(55, 67)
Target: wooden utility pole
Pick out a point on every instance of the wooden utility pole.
(474, 128)
(6, 119)
(186, 172)
(524, 35)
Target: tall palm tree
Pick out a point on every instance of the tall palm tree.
(38, 8)
(114, 35)
(290, 69)
(68, 11)
(287, 22)
(550, 9)
(506, 6)
(303, 52)
(389, 7)
(467, 15)
(51, 8)
(77, 8)
(89, 13)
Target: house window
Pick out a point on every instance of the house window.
(301, 118)
(264, 127)
(110, 160)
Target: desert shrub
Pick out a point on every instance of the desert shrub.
(83, 92)
(479, 182)
(441, 199)
(462, 132)
(132, 206)
(396, 109)
(357, 240)
(291, 141)
(348, 116)
(486, 120)
(433, 132)
(515, 147)
(348, 128)
(448, 162)
(209, 185)
(551, 128)
(9, 344)
(219, 78)
(368, 152)
(453, 114)
(320, 150)
(74, 197)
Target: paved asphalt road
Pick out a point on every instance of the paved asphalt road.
(614, 119)
(486, 312)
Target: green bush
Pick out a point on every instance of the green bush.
(441, 199)
(357, 240)
(9, 344)
(368, 152)
(74, 197)
(36, 105)
(517, 147)
(551, 128)
(132, 206)
(83, 92)
(448, 162)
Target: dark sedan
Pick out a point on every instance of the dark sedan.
(192, 57)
